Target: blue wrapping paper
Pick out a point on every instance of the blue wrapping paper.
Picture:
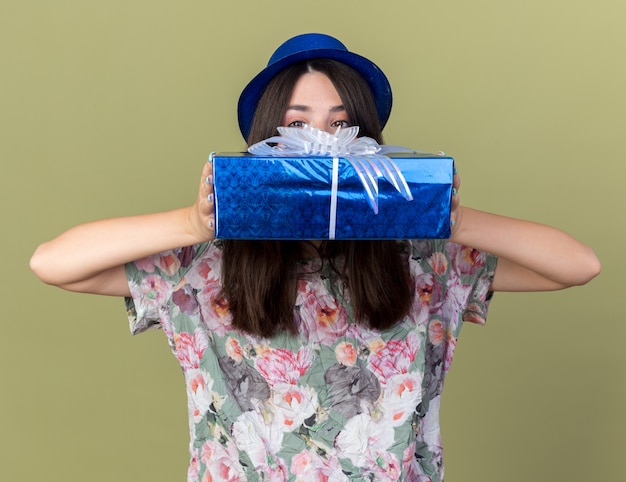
(290, 197)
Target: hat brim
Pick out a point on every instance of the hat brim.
(373, 75)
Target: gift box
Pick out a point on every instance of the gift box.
(265, 197)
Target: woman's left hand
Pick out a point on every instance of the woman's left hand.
(455, 208)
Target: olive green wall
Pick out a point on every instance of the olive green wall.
(110, 108)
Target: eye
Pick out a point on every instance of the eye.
(340, 123)
(296, 123)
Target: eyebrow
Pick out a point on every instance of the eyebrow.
(306, 108)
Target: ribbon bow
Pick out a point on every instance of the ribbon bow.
(364, 154)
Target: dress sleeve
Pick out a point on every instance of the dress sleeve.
(151, 281)
(475, 269)
(461, 271)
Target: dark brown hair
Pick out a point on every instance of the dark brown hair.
(260, 276)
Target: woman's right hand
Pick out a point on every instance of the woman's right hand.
(202, 213)
(90, 258)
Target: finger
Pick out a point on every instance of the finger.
(205, 213)
(456, 199)
(456, 185)
(207, 177)
(205, 192)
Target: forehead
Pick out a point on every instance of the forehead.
(314, 87)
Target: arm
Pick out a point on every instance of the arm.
(532, 257)
(90, 258)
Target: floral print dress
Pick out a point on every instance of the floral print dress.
(337, 402)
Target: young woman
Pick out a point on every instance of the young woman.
(311, 360)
